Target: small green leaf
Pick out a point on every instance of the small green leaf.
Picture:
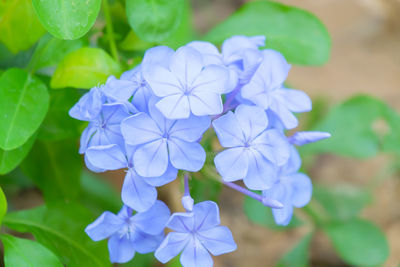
(50, 51)
(58, 125)
(259, 214)
(24, 101)
(27, 253)
(342, 202)
(154, 20)
(296, 33)
(133, 43)
(356, 136)
(60, 228)
(358, 242)
(19, 26)
(9, 159)
(55, 167)
(3, 205)
(67, 19)
(298, 256)
(84, 68)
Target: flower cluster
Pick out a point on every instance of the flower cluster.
(150, 122)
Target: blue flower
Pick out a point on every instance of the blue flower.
(292, 189)
(266, 89)
(160, 141)
(197, 234)
(187, 85)
(303, 138)
(89, 105)
(138, 192)
(254, 153)
(127, 233)
(104, 129)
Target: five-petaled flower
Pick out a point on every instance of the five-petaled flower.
(127, 233)
(197, 234)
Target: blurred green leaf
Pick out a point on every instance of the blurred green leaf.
(296, 33)
(24, 101)
(58, 125)
(27, 253)
(55, 167)
(11, 60)
(3, 205)
(10, 159)
(358, 242)
(342, 202)
(298, 256)
(203, 188)
(259, 214)
(133, 43)
(141, 260)
(358, 127)
(98, 194)
(84, 68)
(67, 19)
(51, 51)
(19, 26)
(60, 228)
(154, 20)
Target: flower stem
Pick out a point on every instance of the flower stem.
(110, 31)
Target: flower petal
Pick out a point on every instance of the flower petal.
(252, 120)
(286, 116)
(294, 163)
(171, 246)
(103, 227)
(228, 130)
(273, 146)
(301, 189)
(295, 100)
(136, 193)
(159, 55)
(169, 175)
(151, 159)
(217, 240)
(232, 164)
(261, 174)
(140, 129)
(186, 64)
(182, 222)
(212, 78)
(189, 156)
(190, 129)
(257, 92)
(154, 220)
(174, 106)
(89, 105)
(145, 243)
(195, 255)
(109, 157)
(161, 81)
(206, 215)
(205, 103)
(120, 90)
(208, 51)
(121, 249)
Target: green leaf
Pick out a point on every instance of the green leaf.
(27, 253)
(55, 167)
(84, 68)
(19, 26)
(359, 135)
(202, 187)
(58, 125)
(358, 242)
(342, 202)
(11, 60)
(141, 260)
(10, 159)
(60, 228)
(50, 51)
(298, 256)
(154, 20)
(67, 19)
(259, 214)
(296, 33)
(133, 43)
(3, 205)
(94, 190)
(24, 101)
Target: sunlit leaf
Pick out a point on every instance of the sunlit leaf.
(24, 101)
(27, 253)
(296, 33)
(19, 26)
(84, 68)
(67, 19)
(3, 205)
